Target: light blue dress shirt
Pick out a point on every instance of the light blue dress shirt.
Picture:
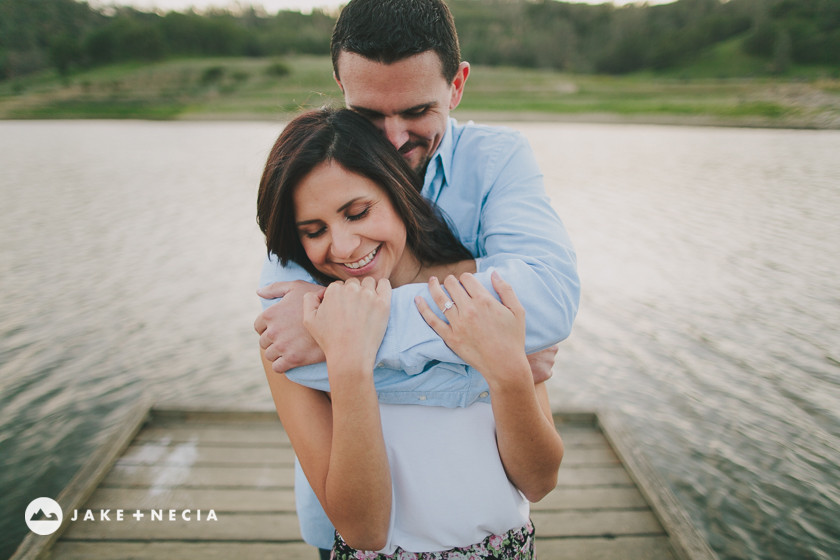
(487, 182)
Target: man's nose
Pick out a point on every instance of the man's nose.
(395, 131)
(344, 243)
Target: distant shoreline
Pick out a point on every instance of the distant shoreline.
(502, 117)
(652, 119)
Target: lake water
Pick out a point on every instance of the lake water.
(710, 316)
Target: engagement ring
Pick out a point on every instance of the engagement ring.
(448, 305)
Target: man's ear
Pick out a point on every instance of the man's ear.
(335, 77)
(458, 84)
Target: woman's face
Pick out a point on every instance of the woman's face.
(348, 226)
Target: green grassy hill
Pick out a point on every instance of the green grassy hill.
(703, 92)
(733, 62)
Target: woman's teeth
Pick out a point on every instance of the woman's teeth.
(362, 262)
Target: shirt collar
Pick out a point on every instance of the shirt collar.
(438, 170)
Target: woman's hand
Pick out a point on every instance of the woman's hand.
(348, 322)
(490, 336)
(487, 334)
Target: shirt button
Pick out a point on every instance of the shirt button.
(484, 394)
(422, 397)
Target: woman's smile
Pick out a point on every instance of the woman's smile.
(358, 267)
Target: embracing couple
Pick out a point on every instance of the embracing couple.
(407, 251)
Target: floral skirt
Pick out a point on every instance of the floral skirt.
(516, 544)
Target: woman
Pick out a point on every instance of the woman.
(337, 199)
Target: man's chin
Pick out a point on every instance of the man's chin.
(417, 157)
(420, 167)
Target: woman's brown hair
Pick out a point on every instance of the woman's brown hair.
(347, 138)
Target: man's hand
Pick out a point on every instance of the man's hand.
(286, 341)
(541, 363)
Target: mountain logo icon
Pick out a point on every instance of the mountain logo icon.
(43, 516)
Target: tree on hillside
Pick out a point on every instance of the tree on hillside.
(68, 35)
(35, 34)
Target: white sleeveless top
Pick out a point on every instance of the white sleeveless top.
(449, 487)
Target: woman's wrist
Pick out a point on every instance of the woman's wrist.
(509, 374)
(349, 365)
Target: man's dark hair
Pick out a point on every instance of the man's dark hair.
(387, 31)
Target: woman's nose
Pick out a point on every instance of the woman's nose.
(344, 244)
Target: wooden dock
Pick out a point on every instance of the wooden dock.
(219, 485)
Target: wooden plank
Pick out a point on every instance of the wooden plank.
(154, 453)
(582, 437)
(625, 548)
(569, 417)
(269, 527)
(685, 538)
(84, 483)
(238, 500)
(590, 456)
(284, 526)
(82, 550)
(600, 523)
(614, 475)
(588, 498)
(247, 435)
(171, 476)
(206, 414)
(621, 548)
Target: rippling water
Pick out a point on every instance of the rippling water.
(710, 316)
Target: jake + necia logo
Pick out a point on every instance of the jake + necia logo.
(43, 516)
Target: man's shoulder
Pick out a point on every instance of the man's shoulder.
(472, 134)
(486, 149)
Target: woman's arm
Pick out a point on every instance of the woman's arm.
(490, 336)
(338, 438)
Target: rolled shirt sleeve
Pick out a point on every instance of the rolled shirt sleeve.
(490, 187)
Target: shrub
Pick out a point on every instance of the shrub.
(212, 75)
(278, 69)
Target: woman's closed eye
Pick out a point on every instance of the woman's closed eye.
(356, 216)
(312, 234)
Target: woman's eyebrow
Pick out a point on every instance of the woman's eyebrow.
(347, 204)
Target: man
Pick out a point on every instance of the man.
(398, 63)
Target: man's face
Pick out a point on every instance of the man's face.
(408, 100)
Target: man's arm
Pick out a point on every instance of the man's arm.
(519, 235)
(522, 237)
